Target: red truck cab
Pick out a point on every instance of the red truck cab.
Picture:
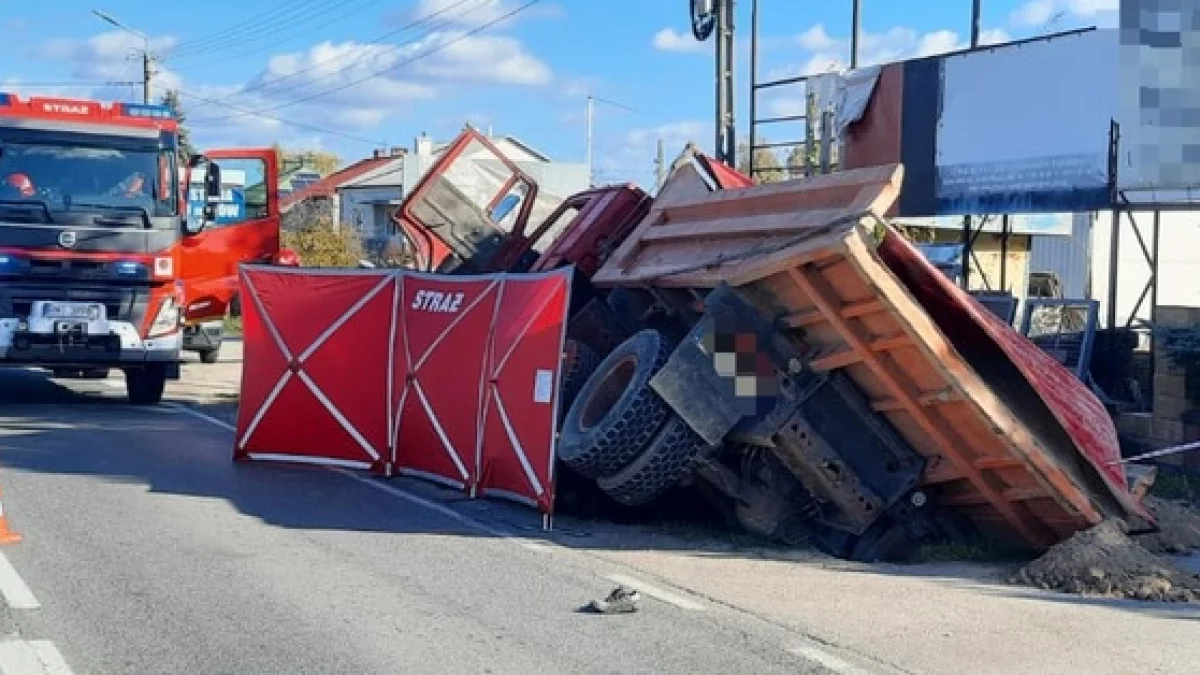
(104, 260)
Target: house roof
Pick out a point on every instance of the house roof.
(329, 184)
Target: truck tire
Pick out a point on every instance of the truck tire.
(209, 355)
(579, 362)
(616, 413)
(235, 306)
(669, 458)
(145, 385)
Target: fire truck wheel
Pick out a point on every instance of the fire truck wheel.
(145, 385)
(670, 457)
(209, 355)
(579, 362)
(616, 413)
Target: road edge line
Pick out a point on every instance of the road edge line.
(16, 593)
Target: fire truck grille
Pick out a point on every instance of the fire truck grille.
(121, 304)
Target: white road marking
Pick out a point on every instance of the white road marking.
(827, 660)
(657, 593)
(31, 657)
(13, 588)
(196, 413)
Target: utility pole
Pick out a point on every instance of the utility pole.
(726, 141)
(976, 18)
(147, 57)
(591, 121)
(660, 167)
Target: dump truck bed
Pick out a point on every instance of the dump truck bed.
(1011, 438)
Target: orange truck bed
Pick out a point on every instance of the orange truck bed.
(1011, 438)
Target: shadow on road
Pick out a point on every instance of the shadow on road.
(48, 428)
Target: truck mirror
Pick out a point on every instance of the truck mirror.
(212, 180)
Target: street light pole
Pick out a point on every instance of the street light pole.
(147, 58)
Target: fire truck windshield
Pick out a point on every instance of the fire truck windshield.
(91, 177)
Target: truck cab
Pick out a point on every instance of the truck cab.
(112, 244)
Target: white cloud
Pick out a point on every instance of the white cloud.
(1035, 12)
(1038, 13)
(498, 13)
(671, 40)
(827, 53)
(939, 42)
(815, 39)
(364, 85)
(994, 36)
(630, 156)
(112, 56)
(483, 58)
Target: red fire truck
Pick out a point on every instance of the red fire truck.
(115, 251)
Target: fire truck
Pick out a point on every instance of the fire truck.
(116, 250)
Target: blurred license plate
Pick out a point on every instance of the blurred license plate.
(79, 311)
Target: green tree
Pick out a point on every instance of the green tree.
(171, 101)
(320, 244)
(766, 164)
(795, 161)
(321, 161)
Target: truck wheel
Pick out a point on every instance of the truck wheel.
(579, 362)
(616, 413)
(666, 461)
(209, 355)
(145, 385)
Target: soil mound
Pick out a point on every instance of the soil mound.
(1105, 561)
(1179, 525)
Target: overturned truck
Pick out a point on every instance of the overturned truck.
(815, 367)
(786, 346)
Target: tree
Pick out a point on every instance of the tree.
(171, 101)
(795, 161)
(321, 161)
(766, 164)
(320, 244)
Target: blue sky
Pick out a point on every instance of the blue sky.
(347, 75)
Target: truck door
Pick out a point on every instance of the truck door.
(469, 210)
(246, 228)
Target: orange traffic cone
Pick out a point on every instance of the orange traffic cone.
(7, 536)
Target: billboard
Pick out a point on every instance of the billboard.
(1024, 128)
(1159, 150)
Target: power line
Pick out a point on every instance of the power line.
(507, 15)
(274, 41)
(218, 37)
(291, 123)
(362, 49)
(271, 33)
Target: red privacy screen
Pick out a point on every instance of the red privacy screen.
(452, 378)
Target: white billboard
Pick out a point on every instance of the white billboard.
(1025, 127)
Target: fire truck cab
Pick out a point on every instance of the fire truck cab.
(112, 245)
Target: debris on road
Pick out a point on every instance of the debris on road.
(1178, 527)
(1105, 561)
(622, 600)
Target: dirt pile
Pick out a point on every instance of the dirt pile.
(1105, 561)
(1179, 525)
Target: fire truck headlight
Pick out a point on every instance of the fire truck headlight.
(167, 319)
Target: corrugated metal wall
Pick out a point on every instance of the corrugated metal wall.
(1067, 256)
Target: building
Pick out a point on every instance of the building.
(321, 197)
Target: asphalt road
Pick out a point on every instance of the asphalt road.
(146, 550)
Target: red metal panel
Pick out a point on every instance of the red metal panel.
(875, 138)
